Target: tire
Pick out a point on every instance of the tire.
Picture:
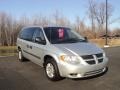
(51, 70)
(20, 56)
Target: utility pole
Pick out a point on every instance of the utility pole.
(106, 36)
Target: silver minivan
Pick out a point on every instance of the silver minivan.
(61, 51)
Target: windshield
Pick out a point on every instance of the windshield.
(57, 35)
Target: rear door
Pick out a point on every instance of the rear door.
(25, 40)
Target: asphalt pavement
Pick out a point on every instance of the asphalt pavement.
(15, 75)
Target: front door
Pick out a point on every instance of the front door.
(37, 49)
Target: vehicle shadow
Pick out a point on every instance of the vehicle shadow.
(92, 77)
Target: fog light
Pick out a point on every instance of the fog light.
(73, 74)
(104, 69)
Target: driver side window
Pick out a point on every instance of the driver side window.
(38, 34)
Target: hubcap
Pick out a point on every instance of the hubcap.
(20, 55)
(50, 70)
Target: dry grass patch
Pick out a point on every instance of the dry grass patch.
(8, 50)
(101, 42)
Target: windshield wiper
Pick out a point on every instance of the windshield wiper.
(75, 40)
(70, 40)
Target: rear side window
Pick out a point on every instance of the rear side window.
(27, 34)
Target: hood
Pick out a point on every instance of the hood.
(82, 48)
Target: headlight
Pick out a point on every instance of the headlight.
(104, 55)
(70, 59)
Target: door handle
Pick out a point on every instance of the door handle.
(30, 47)
(27, 46)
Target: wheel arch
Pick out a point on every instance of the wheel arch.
(55, 61)
(46, 57)
(18, 48)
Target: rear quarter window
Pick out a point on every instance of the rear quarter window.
(27, 34)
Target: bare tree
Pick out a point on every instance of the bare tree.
(79, 25)
(116, 31)
(91, 12)
(3, 29)
(60, 19)
(97, 14)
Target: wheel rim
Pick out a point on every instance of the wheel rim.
(50, 70)
(20, 55)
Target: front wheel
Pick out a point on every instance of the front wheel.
(52, 71)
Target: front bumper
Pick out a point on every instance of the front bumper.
(80, 71)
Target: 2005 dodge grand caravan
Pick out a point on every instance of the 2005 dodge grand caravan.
(61, 51)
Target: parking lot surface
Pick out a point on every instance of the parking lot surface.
(15, 75)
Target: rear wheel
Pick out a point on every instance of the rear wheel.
(52, 71)
(20, 56)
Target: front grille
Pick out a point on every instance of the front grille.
(91, 59)
(100, 60)
(93, 72)
(87, 57)
(91, 62)
(99, 55)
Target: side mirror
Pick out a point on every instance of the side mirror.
(86, 39)
(39, 40)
